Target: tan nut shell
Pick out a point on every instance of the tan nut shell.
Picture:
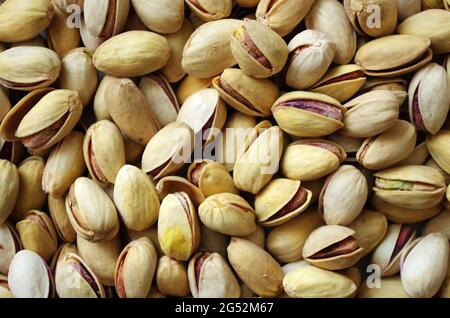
(105, 18)
(214, 178)
(172, 277)
(439, 224)
(418, 156)
(439, 149)
(61, 37)
(99, 103)
(190, 85)
(9, 188)
(390, 287)
(211, 9)
(213, 241)
(58, 213)
(172, 184)
(407, 8)
(10, 241)
(160, 16)
(258, 237)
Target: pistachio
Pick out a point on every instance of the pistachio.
(418, 156)
(390, 287)
(439, 224)
(407, 8)
(58, 213)
(190, 85)
(160, 16)
(105, 18)
(172, 184)
(151, 234)
(10, 242)
(214, 241)
(438, 147)
(210, 10)
(99, 103)
(9, 188)
(62, 38)
(62, 250)
(396, 85)
(211, 178)
(5, 104)
(172, 277)
(91, 42)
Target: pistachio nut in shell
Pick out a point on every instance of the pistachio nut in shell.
(103, 151)
(99, 103)
(429, 97)
(424, 265)
(27, 68)
(285, 242)
(210, 10)
(390, 287)
(132, 53)
(343, 196)
(10, 242)
(151, 234)
(370, 228)
(332, 247)
(172, 277)
(289, 267)
(37, 233)
(418, 156)
(314, 282)
(89, 41)
(58, 213)
(210, 276)
(397, 85)
(160, 16)
(105, 18)
(255, 267)
(248, 95)
(5, 104)
(21, 20)
(259, 51)
(259, 158)
(30, 277)
(394, 55)
(168, 150)
(101, 257)
(227, 213)
(62, 250)
(198, 61)
(178, 226)
(414, 187)
(211, 178)
(135, 198)
(349, 144)
(433, 164)
(388, 148)
(172, 184)
(438, 146)
(4, 288)
(329, 17)
(407, 8)
(135, 268)
(282, 16)
(439, 224)
(281, 200)
(9, 188)
(75, 279)
(311, 159)
(258, 236)
(388, 253)
(306, 114)
(214, 241)
(64, 164)
(91, 212)
(190, 85)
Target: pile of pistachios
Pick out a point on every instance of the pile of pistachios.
(224, 148)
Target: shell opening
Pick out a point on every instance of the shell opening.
(406, 232)
(120, 285)
(38, 220)
(84, 272)
(108, 28)
(198, 267)
(315, 106)
(197, 172)
(417, 115)
(344, 77)
(346, 246)
(97, 171)
(403, 185)
(296, 202)
(196, 4)
(223, 84)
(251, 48)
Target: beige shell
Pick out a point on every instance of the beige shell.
(418, 156)
(10, 241)
(258, 237)
(438, 147)
(390, 287)
(89, 41)
(99, 103)
(5, 104)
(407, 8)
(172, 277)
(105, 18)
(9, 188)
(172, 184)
(58, 213)
(160, 16)
(61, 37)
(439, 224)
(210, 10)
(211, 177)
(62, 250)
(190, 85)
(395, 84)
(213, 241)
(151, 234)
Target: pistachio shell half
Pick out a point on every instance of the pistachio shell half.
(172, 184)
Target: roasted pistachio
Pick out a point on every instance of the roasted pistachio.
(190, 85)
(58, 213)
(438, 147)
(105, 18)
(172, 184)
(60, 36)
(439, 224)
(211, 178)
(9, 188)
(210, 10)
(172, 277)
(397, 85)
(390, 287)
(10, 242)
(160, 16)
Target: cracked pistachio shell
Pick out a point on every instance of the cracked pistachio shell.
(168, 150)
(248, 95)
(429, 97)
(30, 277)
(388, 148)
(103, 151)
(433, 24)
(205, 112)
(75, 279)
(227, 213)
(214, 241)
(341, 82)
(390, 287)
(311, 159)
(332, 247)
(172, 277)
(404, 215)
(255, 267)
(349, 144)
(190, 85)
(329, 17)
(439, 149)
(285, 242)
(370, 228)
(210, 276)
(197, 58)
(37, 233)
(64, 165)
(300, 114)
(414, 187)
(388, 253)
(91, 212)
(343, 196)
(27, 68)
(160, 16)
(31, 196)
(407, 8)
(313, 282)
(136, 199)
(79, 74)
(160, 97)
(418, 156)
(89, 41)
(259, 158)
(439, 224)
(132, 53)
(259, 51)
(5, 292)
(58, 213)
(130, 110)
(394, 55)
(178, 226)
(61, 36)
(370, 114)
(105, 18)
(424, 265)
(101, 257)
(9, 188)
(360, 14)
(99, 103)
(21, 20)
(310, 55)
(10, 242)
(396, 85)
(135, 269)
(289, 267)
(210, 10)
(172, 184)
(284, 15)
(62, 250)
(211, 178)
(281, 200)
